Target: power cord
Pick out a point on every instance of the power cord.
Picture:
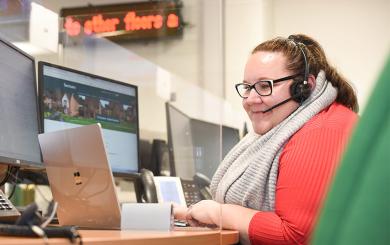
(4, 174)
(31, 223)
(52, 209)
(35, 231)
(11, 170)
(40, 232)
(14, 181)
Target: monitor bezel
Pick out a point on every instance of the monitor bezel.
(25, 164)
(41, 64)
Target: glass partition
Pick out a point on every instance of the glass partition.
(180, 67)
(185, 71)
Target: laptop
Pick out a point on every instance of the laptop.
(80, 177)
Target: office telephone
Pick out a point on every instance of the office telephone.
(192, 191)
(8, 212)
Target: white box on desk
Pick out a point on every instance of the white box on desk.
(147, 216)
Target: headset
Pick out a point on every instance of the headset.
(300, 90)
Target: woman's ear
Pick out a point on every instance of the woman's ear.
(311, 80)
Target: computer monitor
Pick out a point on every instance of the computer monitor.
(71, 98)
(180, 143)
(230, 137)
(211, 143)
(206, 140)
(195, 145)
(19, 124)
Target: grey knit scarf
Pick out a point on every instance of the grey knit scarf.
(248, 174)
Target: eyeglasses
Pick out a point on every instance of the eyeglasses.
(262, 87)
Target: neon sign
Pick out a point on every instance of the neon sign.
(143, 20)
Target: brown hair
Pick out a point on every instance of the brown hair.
(316, 60)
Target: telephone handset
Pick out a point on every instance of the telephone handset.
(192, 191)
(149, 193)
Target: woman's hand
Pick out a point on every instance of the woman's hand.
(179, 212)
(205, 212)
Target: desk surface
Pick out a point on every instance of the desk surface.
(178, 236)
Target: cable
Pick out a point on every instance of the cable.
(15, 181)
(6, 176)
(16, 178)
(40, 232)
(52, 209)
(12, 191)
(51, 216)
(69, 232)
(30, 224)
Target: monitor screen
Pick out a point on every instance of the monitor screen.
(71, 98)
(230, 137)
(211, 143)
(180, 143)
(19, 125)
(195, 145)
(206, 140)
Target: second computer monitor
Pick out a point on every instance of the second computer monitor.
(211, 142)
(196, 146)
(70, 98)
(180, 143)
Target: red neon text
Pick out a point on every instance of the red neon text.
(72, 27)
(131, 22)
(147, 22)
(99, 25)
(173, 21)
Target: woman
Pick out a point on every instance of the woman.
(271, 185)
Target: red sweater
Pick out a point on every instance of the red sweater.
(306, 167)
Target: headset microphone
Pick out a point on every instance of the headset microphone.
(295, 95)
(278, 104)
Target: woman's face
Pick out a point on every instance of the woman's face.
(264, 65)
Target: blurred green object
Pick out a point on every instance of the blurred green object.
(357, 209)
(23, 195)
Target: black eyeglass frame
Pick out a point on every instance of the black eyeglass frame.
(270, 82)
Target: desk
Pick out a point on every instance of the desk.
(182, 236)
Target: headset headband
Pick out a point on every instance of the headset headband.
(306, 74)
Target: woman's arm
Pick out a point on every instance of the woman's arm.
(233, 217)
(306, 167)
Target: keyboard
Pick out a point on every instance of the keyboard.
(8, 212)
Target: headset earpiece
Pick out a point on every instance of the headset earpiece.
(300, 91)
